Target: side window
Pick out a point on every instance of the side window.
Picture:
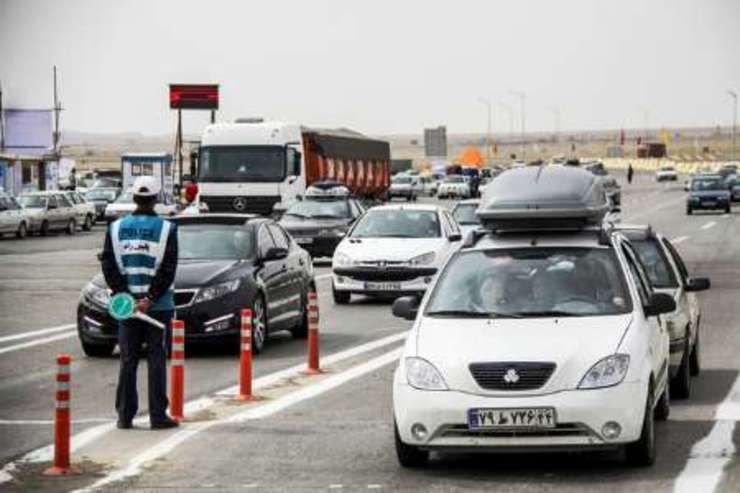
(52, 201)
(643, 286)
(281, 238)
(294, 162)
(454, 227)
(355, 209)
(64, 201)
(264, 240)
(678, 260)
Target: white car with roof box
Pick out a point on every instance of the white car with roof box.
(540, 333)
(393, 250)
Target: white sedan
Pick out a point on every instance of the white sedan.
(524, 345)
(393, 250)
(124, 205)
(454, 186)
(666, 173)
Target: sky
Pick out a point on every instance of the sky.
(379, 66)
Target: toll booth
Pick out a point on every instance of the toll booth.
(156, 164)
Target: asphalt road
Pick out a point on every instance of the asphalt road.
(334, 431)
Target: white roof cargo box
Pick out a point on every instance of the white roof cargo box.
(543, 198)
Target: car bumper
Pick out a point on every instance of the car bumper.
(580, 416)
(454, 192)
(709, 204)
(374, 282)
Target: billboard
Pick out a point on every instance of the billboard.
(29, 132)
(194, 96)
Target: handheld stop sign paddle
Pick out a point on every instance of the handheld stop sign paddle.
(123, 307)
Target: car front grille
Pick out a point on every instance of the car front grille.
(511, 375)
(561, 430)
(385, 274)
(252, 204)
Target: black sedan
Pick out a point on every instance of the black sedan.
(101, 197)
(227, 262)
(708, 192)
(318, 225)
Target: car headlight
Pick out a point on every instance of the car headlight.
(422, 375)
(98, 294)
(424, 259)
(216, 291)
(341, 260)
(607, 372)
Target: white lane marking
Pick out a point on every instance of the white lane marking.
(79, 440)
(710, 224)
(710, 455)
(135, 465)
(679, 239)
(34, 333)
(336, 486)
(51, 421)
(38, 342)
(374, 486)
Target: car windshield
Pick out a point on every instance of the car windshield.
(397, 223)
(655, 263)
(214, 242)
(401, 179)
(242, 163)
(322, 209)
(454, 179)
(101, 194)
(704, 185)
(531, 282)
(465, 214)
(125, 198)
(33, 201)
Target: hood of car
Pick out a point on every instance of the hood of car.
(709, 193)
(198, 273)
(298, 224)
(388, 249)
(573, 344)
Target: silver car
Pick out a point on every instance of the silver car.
(85, 210)
(13, 219)
(49, 211)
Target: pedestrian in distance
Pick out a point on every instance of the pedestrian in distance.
(72, 179)
(630, 173)
(140, 258)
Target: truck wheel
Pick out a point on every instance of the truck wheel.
(44, 230)
(642, 452)
(22, 231)
(87, 226)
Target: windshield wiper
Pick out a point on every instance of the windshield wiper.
(549, 313)
(472, 314)
(326, 216)
(295, 214)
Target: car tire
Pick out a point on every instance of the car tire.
(87, 226)
(97, 350)
(409, 455)
(340, 297)
(642, 452)
(689, 211)
(71, 227)
(22, 231)
(695, 359)
(681, 383)
(259, 324)
(728, 209)
(44, 229)
(663, 407)
(300, 331)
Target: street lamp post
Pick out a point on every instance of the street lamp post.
(488, 133)
(733, 94)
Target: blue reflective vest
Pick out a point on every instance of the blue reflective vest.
(139, 243)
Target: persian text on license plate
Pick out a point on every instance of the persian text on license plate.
(536, 417)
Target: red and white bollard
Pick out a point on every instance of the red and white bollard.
(62, 419)
(177, 371)
(245, 362)
(313, 334)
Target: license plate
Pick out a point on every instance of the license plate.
(534, 417)
(383, 286)
(709, 203)
(304, 241)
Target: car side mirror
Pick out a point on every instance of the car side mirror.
(274, 253)
(455, 237)
(406, 307)
(698, 284)
(660, 303)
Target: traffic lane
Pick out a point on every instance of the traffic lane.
(27, 388)
(54, 242)
(345, 437)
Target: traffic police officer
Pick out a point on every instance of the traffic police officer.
(140, 258)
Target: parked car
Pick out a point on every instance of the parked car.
(425, 185)
(666, 173)
(456, 186)
(393, 250)
(13, 218)
(668, 274)
(728, 169)
(86, 215)
(402, 186)
(49, 211)
(124, 205)
(733, 185)
(708, 192)
(101, 197)
(227, 262)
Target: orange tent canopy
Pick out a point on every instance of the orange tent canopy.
(471, 156)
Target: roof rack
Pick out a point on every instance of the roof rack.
(327, 189)
(544, 198)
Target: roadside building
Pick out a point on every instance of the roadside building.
(28, 161)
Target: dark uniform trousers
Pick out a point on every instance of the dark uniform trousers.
(132, 333)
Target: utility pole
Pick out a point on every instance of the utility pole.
(521, 97)
(488, 133)
(57, 110)
(733, 94)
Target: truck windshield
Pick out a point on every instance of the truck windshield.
(242, 164)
